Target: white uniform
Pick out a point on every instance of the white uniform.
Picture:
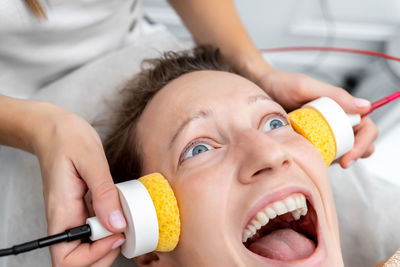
(35, 52)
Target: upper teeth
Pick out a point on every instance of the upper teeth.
(296, 204)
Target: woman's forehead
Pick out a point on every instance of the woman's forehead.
(195, 92)
(202, 88)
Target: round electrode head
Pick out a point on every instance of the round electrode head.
(141, 232)
(338, 121)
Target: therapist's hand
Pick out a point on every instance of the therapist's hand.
(72, 160)
(292, 90)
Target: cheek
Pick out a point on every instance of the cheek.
(305, 154)
(202, 199)
(310, 160)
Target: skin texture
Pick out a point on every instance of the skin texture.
(245, 162)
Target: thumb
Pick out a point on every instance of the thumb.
(349, 103)
(107, 207)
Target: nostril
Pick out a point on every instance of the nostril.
(262, 170)
(285, 163)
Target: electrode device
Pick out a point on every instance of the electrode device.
(325, 124)
(152, 215)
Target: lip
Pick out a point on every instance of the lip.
(319, 254)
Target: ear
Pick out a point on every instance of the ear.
(156, 259)
(148, 259)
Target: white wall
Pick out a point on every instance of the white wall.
(362, 24)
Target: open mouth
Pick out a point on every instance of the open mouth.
(284, 230)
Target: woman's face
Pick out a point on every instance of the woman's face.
(234, 162)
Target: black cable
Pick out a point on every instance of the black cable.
(69, 235)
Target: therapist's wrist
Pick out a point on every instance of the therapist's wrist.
(18, 117)
(36, 122)
(44, 124)
(253, 67)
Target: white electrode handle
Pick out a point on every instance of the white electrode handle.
(354, 119)
(97, 229)
(141, 232)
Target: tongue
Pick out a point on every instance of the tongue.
(283, 244)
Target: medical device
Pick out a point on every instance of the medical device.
(152, 215)
(324, 123)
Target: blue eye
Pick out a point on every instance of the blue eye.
(273, 123)
(196, 149)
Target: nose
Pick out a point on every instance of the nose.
(260, 155)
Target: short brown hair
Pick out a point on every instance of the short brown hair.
(121, 146)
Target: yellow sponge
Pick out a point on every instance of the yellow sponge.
(166, 206)
(312, 125)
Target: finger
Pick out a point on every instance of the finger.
(108, 259)
(365, 134)
(369, 151)
(95, 171)
(87, 254)
(349, 103)
(64, 217)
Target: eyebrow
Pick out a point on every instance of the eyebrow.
(203, 114)
(254, 98)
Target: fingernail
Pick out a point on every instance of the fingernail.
(118, 243)
(350, 163)
(360, 103)
(117, 220)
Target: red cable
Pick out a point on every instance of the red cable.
(376, 104)
(382, 102)
(327, 48)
